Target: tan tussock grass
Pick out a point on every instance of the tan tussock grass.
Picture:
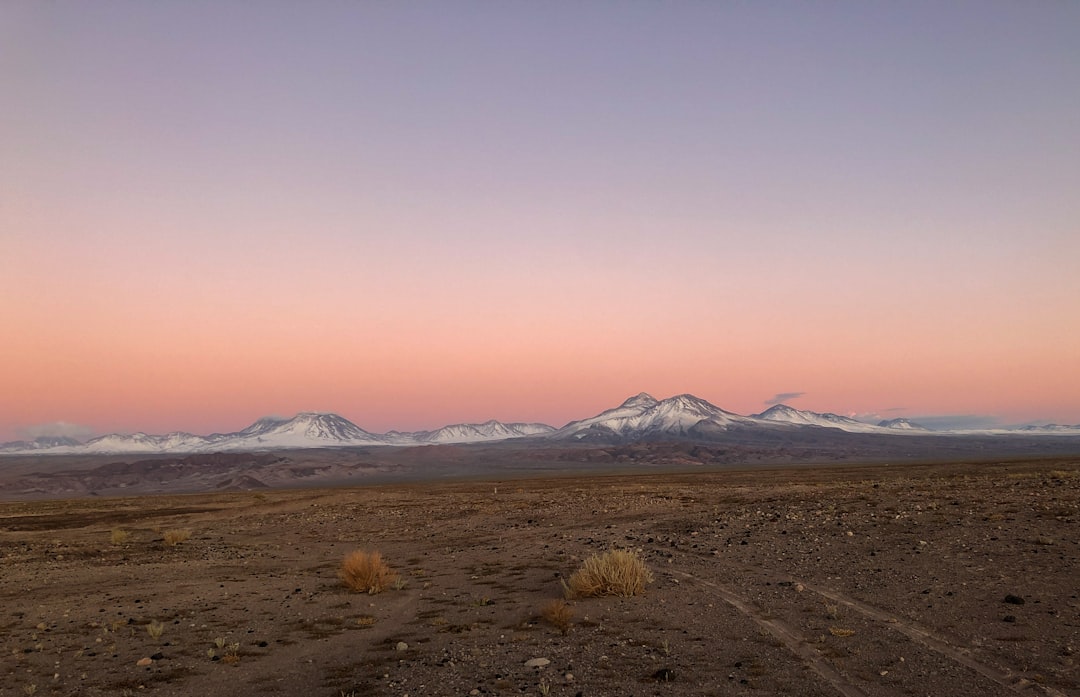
(366, 572)
(558, 614)
(617, 572)
(118, 536)
(175, 537)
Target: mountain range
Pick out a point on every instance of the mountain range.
(639, 418)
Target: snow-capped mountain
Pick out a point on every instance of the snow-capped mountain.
(1049, 429)
(641, 417)
(644, 416)
(39, 443)
(305, 430)
(142, 443)
(487, 431)
(902, 425)
(782, 413)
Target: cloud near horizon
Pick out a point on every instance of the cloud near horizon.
(781, 397)
(55, 429)
(956, 422)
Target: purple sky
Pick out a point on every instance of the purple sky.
(422, 213)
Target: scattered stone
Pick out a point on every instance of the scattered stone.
(402, 646)
(1013, 600)
(1008, 618)
(536, 662)
(569, 677)
(145, 661)
(158, 656)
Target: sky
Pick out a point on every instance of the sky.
(415, 214)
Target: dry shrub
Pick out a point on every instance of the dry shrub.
(118, 536)
(366, 572)
(175, 537)
(618, 572)
(558, 614)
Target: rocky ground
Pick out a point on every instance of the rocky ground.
(914, 580)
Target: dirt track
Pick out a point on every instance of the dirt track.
(825, 581)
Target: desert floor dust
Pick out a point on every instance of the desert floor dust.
(949, 579)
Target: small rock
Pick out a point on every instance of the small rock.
(402, 646)
(569, 677)
(145, 661)
(1008, 618)
(664, 675)
(158, 656)
(1013, 600)
(536, 662)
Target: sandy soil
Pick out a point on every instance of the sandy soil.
(825, 581)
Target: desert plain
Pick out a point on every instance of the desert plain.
(957, 578)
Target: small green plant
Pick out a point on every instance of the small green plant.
(618, 572)
(366, 572)
(155, 629)
(232, 654)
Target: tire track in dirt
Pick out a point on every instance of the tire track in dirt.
(794, 642)
(1006, 678)
(1009, 679)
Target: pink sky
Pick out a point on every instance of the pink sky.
(413, 220)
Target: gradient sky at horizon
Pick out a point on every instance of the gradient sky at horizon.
(414, 214)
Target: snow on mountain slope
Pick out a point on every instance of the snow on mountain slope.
(1048, 429)
(141, 443)
(639, 417)
(782, 413)
(487, 431)
(305, 430)
(39, 443)
(642, 415)
(903, 425)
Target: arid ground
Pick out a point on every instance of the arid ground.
(949, 579)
